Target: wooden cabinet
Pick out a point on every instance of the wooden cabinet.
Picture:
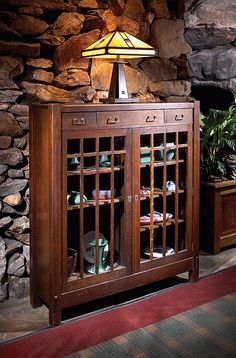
(114, 199)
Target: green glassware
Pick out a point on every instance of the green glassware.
(74, 164)
(74, 198)
(101, 245)
(104, 161)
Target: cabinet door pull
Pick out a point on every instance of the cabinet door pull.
(113, 120)
(79, 121)
(179, 118)
(151, 119)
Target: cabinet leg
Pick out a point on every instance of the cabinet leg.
(54, 313)
(54, 318)
(216, 249)
(194, 273)
(35, 301)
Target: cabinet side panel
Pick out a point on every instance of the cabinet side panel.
(196, 186)
(40, 131)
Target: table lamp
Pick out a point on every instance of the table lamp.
(117, 46)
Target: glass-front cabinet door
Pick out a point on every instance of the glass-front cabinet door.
(96, 188)
(164, 192)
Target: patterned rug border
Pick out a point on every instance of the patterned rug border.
(207, 330)
(75, 335)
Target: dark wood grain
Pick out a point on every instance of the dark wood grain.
(53, 221)
(218, 224)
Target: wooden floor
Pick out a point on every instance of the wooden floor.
(18, 318)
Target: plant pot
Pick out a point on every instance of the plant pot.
(218, 215)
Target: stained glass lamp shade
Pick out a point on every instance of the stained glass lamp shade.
(118, 46)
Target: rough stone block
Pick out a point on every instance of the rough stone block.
(19, 287)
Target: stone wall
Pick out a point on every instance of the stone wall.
(211, 33)
(40, 46)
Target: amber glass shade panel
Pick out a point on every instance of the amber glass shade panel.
(119, 44)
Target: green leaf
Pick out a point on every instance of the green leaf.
(217, 139)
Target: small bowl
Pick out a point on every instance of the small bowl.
(103, 194)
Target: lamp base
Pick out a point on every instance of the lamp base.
(119, 100)
(118, 92)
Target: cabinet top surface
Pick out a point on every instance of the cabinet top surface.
(115, 107)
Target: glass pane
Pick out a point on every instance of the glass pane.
(163, 173)
(95, 202)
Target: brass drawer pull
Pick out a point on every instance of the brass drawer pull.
(179, 118)
(151, 119)
(113, 120)
(79, 121)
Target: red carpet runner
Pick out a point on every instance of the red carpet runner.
(85, 332)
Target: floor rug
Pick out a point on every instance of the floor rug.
(85, 332)
(206, 331)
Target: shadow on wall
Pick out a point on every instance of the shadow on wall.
(212, 97)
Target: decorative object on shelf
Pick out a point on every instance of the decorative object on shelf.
(144, 220)
(88, 249)
(117, 46)
(102, 243)
(158, 251)
(71, 261)
(104, 161)
(170, 185)
(157, 217)
(170, 152)
(144, 155)
(103, 194)
(74, 198)
(73, 164)
(144, 191)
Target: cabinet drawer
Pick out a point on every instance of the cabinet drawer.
(139, 118)
(178, 115)
(78, 120)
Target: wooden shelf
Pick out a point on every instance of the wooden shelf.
(155, 148)
(161, 163)
(94, 154)
(93, 170)
(158, 192)
(160, 224)
(91, 203)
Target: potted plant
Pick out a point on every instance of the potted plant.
(231, 165)
(218, 179)
(218, 143)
